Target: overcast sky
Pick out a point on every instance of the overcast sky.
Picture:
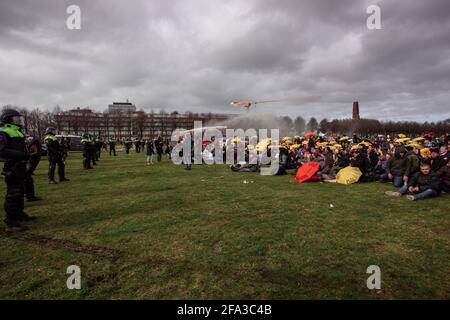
(199, 55)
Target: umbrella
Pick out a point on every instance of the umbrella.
(413, 145)
(401, 140)
(348, 175)
(262, 145)
(418, 139)
(401, 135)
(310, 134)
(306, 171)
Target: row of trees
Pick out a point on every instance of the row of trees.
(364, 126)
(36, 121)
(117, 124)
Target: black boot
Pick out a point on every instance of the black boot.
(63, 179)
(33, 198)
(14, 226)
(24, 217)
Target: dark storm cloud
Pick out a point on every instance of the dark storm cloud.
(200, 55)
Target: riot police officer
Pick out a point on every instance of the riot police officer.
(112, 146)
(87, 151)
(137, 145)
(98, 143)
(92, 149)
(14, 153)
(55, 157)
(128, 145)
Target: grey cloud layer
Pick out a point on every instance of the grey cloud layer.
(200, 55)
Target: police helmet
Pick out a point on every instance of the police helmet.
(12, 116)
(50, 130)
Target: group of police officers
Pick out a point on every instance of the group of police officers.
(21, 156)
(91, 151)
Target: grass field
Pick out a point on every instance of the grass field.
(160, 232)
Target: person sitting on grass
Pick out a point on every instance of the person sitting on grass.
(438, 158)
(396, 167)
(423, 184)
(444, 174)
(360, 160)
(412, 163)
(380, 169)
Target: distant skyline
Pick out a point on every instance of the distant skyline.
(200, 55)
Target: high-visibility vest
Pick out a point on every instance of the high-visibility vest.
(12, 131)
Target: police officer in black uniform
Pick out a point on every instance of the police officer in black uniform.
(137, 145)
(14, 154)
(98, 148)
(55, 155)
(87, 147)
(112, 146)
(92, 150)
(128, 145)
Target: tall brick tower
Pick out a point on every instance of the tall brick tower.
(355, 114)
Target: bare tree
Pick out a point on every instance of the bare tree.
(299, 125)
(312, 124)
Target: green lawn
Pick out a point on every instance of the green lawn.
(160, 232)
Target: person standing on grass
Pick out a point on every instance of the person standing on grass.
(87, 147)
(128, 144)
(169, 150)
(35, 150)
(65, 148)
(112, 147)
(159, 144)
(137, 145)
(14, 154)
(150, 151)
(187, 156)
(424, 184)
(55, 157)
(92, 149)
(98, 148)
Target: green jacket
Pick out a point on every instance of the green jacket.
(396, 165)
(412, 163)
